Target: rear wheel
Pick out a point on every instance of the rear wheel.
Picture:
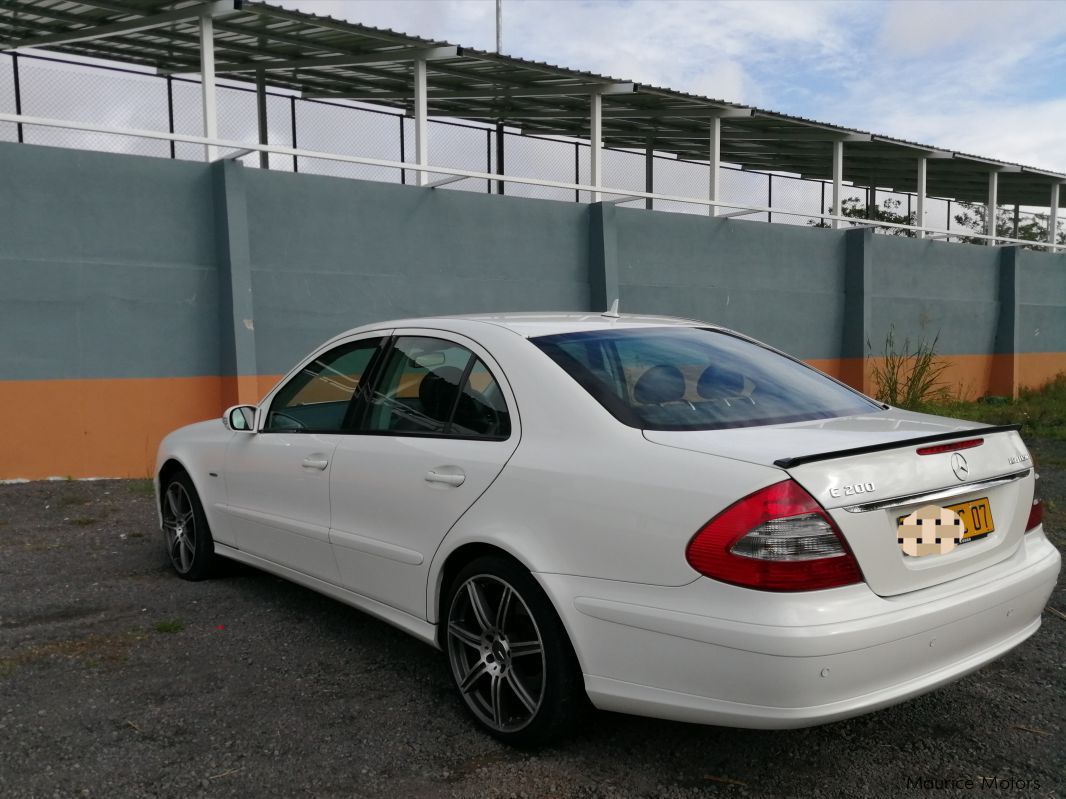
(510, 657)
(185, 532)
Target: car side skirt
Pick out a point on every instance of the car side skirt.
(419, 628)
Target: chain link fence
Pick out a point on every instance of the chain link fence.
(123, 97)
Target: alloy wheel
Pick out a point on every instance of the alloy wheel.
(179, 527)
(496, 653)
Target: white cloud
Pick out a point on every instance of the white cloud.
(983, 77)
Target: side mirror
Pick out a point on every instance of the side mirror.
(240, 418)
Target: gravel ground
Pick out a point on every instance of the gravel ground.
(118, 679)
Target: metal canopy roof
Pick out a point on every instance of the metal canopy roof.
(324, 57)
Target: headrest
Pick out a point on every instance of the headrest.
(438, 390)
(663, 383)
(716, 382)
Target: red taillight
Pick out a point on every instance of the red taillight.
(777, 539)
(1036, 512)
(936, 449)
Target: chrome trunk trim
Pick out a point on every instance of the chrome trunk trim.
(938, 493)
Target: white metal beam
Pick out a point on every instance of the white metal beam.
(622, 113)
(923, 174)
(1053, 217)
(801, 136)
(990, 209)
(445, 181)
(596, 143)
(421, 121)
(714, 158)
(838, 180)
(207, 83)
(396, 56)
(571, 90)
(214, 9)
(928, 152)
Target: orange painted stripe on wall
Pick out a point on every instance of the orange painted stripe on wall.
(97, 428)
(112, 427)
(967, 376)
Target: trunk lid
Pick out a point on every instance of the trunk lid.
(867, 473)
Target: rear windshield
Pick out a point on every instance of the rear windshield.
(687, 378)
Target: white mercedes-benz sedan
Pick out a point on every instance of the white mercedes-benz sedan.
(661, 516)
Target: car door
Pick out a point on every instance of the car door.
(432, 434)
(277, 479)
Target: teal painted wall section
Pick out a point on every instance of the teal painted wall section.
(1042, 302)
(926, 288)
(781, 284)
(107, 266)
(123, 266)
(329, 254)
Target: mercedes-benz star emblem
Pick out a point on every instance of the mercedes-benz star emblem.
(959, 466)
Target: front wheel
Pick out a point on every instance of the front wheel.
(510, 657)
(185, 532)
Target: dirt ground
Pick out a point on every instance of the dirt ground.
(117, 679)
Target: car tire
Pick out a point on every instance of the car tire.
(510, 658)
(186, 534)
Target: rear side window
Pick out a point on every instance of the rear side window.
(684, 378)
(430, 386)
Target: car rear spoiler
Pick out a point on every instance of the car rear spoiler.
(788, 463)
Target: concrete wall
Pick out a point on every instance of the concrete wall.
(330, 254)
(738, 274)
(107, 266)
(139, 294)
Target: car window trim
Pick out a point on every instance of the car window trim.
(268, 403)
(470, 361)
(355, 416)
(378, 375)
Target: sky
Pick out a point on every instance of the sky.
(986, 77)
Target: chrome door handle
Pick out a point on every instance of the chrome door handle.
(315, 463)
(433, 476)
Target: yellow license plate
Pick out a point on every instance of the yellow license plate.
(976, 515)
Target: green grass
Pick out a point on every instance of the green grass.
(170, 626)
(145, 486)
(1041, 412)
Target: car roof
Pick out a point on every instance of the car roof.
(531, 325)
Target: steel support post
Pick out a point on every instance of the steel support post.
(838, 181)
(18, 94)
(649, 172)
(714, 157)
(500, 156)
(421, 121)
(923, 174)
(261, 116)
(1053, 218)
(596, 144)
(207, 84)
(170, 114)
(990, 210)
(292, 127)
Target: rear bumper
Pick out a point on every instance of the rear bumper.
(716, 654)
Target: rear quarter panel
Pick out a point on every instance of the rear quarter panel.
(586, 495)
